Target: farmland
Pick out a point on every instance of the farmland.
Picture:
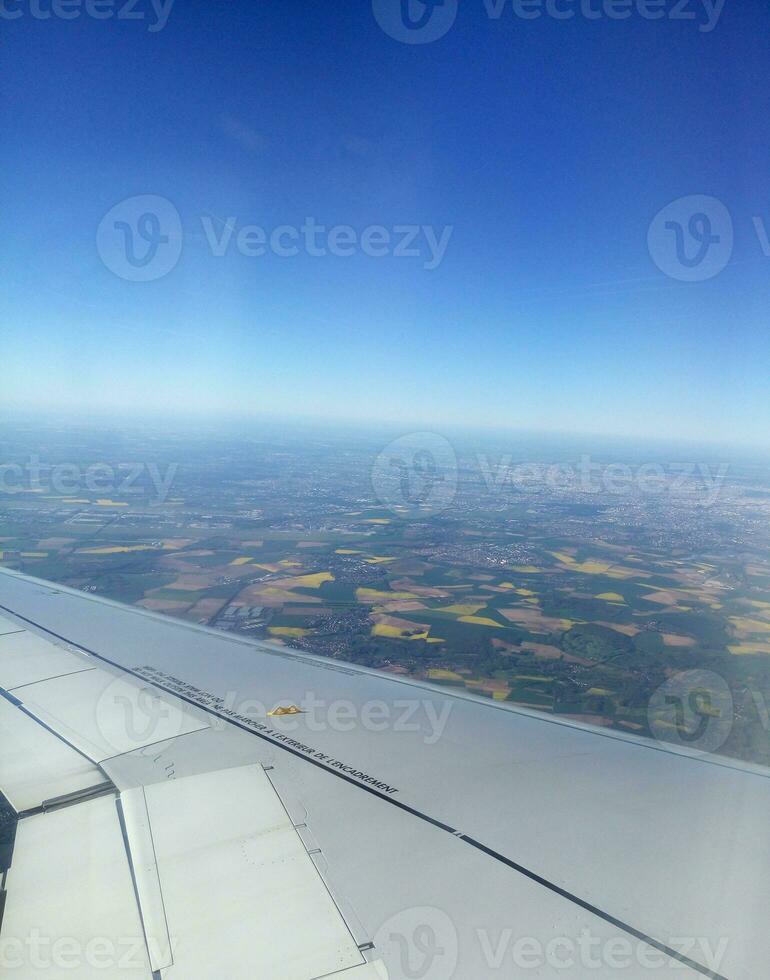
(579, 604)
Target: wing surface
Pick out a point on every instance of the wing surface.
(236, 809)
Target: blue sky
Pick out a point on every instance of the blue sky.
(546, 147)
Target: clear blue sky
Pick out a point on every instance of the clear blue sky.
(548, 146)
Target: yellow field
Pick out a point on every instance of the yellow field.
(312, 581)
(110, 503)
(742, 648)
(376, 595)
(611, 597)
(438, 674)
(379, 561)
(397, 632)
(595, 567)
(242, 561)
(462, 609)
(480, 621)
(293, 631)
(282, 594)
(560, 556)
(750, 625)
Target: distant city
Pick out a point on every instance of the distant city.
(549, 574)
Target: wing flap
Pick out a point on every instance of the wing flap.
(36, 766)
(142, 850)
(8, 626)
(104, 715)
(26, 659)
(70, 909)
(232, 866)
(179, 879)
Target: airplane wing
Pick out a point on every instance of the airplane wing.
(191, 805)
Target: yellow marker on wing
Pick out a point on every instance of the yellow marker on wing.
(291, 710)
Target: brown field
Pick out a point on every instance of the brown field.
(591, 719)
(163, 605)
(427, 592)
(206, 608)
(191, 583)
(404, 605)
(620, 627)
(534, 619)
(504, 646)
(675, 640)
(668, 597)
(545, 650)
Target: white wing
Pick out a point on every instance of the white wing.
(165, 807)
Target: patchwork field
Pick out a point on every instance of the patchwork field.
(575, 607)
